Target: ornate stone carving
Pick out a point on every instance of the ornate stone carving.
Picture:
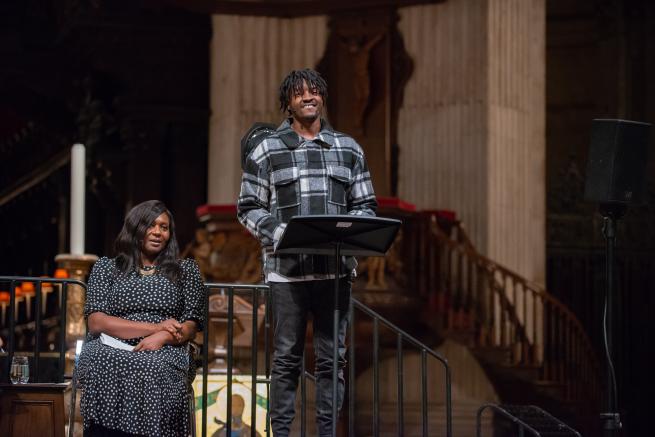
(359, 49)
(226, 256)
(224, 250)
(383, 273)
(78, 267)
(367, 67)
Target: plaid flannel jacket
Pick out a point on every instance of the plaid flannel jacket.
(287, 175)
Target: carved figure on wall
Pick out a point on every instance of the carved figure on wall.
(378, 269)
(359, 48)
(226, 256)
(200, 250)
(375, 266)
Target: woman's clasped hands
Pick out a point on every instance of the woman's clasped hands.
(155, 341)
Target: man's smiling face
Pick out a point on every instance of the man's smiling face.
(307, 105)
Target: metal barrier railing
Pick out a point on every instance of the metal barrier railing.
(256, 294)
(522, 427)
(13, 282)
(402, 337)
(229, 290)
(528, 419)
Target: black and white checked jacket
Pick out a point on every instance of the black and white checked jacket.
(287, 175)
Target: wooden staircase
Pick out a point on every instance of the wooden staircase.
(532, 346)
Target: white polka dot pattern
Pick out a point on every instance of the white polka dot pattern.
(144, 392)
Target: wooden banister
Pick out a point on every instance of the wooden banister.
(501, 309)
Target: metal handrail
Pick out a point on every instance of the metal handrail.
(508, 411)
(496, 408)
(13, 280)
(255, 289)
(403, 338)
(212, 289)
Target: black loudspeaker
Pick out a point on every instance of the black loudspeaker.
(616, 166)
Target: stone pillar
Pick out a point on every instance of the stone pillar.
(472, 126)
(78, 267)
(517, 205)
(249, 58)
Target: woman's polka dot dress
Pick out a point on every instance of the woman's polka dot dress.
(146, 392)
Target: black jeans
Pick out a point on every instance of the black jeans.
(292, 302)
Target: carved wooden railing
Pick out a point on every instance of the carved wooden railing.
(491, 307)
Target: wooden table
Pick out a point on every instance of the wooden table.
(32, 410)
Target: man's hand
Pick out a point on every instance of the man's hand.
(173, 327)
(153, 342)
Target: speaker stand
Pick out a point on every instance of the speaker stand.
(610, 419)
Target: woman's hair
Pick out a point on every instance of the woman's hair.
(129, 241)
(294, 81)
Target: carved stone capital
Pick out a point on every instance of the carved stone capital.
(78, 266)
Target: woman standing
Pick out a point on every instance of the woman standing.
(148, 298)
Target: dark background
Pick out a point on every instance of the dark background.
(128, 79)
(600, 63)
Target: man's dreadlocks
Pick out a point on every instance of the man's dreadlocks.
(294, 81)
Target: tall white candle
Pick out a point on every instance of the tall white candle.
(78, 181)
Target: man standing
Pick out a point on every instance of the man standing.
(304, 168)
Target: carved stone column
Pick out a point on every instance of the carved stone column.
(78, 267)
(249, 58)
(366, 67)
(472, 126)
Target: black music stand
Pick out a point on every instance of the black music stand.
(351, 235)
